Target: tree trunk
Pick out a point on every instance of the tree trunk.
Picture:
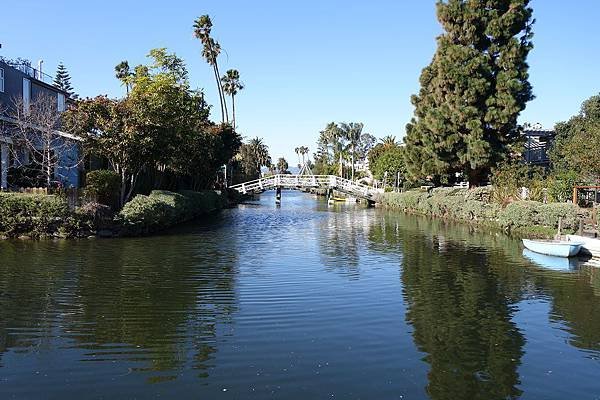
(341, 166)
(222, 94)
(352, 162)
(216, 72)
(233, 110)
(48, 168)
(123, 189)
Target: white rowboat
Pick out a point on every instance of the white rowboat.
(558, 248)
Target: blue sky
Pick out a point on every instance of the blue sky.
(304, 63)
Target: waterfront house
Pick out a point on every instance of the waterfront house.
(537, 143)
(20, 86)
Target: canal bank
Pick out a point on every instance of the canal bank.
(476, 206)
(30, 216)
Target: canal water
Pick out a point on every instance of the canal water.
(303, 301)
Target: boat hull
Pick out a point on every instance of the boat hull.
(591, 246)
(553, 248)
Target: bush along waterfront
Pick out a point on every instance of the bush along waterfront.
(162, 209)
(29, 216)
(42, 216)
(521, 218)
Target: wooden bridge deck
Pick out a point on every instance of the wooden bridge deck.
(309, 181)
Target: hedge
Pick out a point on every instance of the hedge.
(475, 205)
(163, 209)
(39, 216)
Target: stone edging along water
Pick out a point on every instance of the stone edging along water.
(520, 218)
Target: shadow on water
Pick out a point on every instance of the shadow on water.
(463, 289)
(128, 301)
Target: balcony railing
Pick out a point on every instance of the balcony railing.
(34, 73)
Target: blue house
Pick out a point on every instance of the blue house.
(21, 86)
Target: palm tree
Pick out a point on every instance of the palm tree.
(123, 72)
(297, 151)
(303, 151)
(352, 133)
(282, 165)
(389, 141)
(211, 51)
(335, 136)
(231, 86)
(260, 152)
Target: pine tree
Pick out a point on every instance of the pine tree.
(472, 92)
(62, 80)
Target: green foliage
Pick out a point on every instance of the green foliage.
(251, 157)
(509, 178)
(560, 186)
(103, 186)
(525, 214)
(390, 160)
(475, 205)
(340, 142)
(62, 80)
(282, 166)
(577, 144)
(162, 209)
(40, 216)
(472, 92)
(161, 128)
(443, 202)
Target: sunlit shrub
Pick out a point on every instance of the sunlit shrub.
(39, 216)
(163, 209)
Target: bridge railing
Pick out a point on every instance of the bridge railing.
(308, 181)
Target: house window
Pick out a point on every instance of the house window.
(26, 95)
(61, 102)
(1, 79)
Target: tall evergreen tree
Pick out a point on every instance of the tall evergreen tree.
(62, 80)
(472, 92)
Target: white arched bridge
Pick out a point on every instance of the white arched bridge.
(300, 182)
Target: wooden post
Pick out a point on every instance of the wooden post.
(575, 195)
(329, 195)
(278, 195)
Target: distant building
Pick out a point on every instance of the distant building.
(362, 165)
(21, 84)
(537, 143)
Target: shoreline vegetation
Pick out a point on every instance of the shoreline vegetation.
(476, 207)
(33, 216)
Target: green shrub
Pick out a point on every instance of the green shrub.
(560, 186)
(163, 209)
(103, 186)
(548, 215)
(39, 216)
(518, 214)
(482, 194)
(526, 217)
(479, 211)
(522, 214)
(508, 178)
